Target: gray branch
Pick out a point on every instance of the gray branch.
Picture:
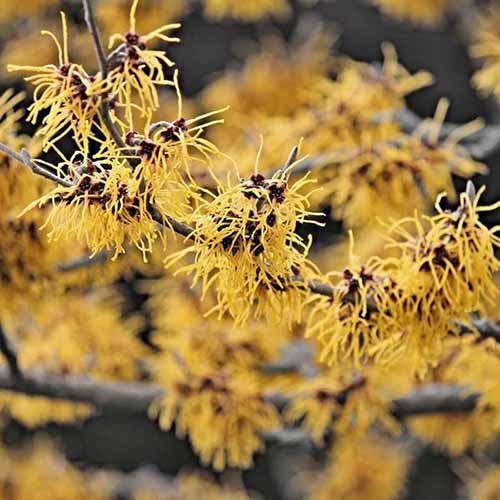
(121, 397)
(480, 145)
(9, 354)
(25, 159)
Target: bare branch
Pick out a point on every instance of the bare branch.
(9, 354)
(480, 145)
(25, 159)
(104, 396)
(96, 37)
(434, 399)
(121, 397)
(83, 261)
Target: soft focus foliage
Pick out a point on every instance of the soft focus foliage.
(371, 468)
(418, 11)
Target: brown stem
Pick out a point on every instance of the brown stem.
(9, 354)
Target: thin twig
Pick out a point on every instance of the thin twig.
(90, 19)
(9, 354)
(91, 22)
(25, 159)
(83, 262)
(115, 133)
(168, 222)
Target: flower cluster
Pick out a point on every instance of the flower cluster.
(406, 306)
(394, 176)
(247, 11)
(233, 408)
(41, 468)
(247, 248)
(486, 48)
(427, 12)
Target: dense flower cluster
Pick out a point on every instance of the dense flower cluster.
(247, 248)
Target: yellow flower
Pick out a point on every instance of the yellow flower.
(486, 48)
(137, 69)
(395, 176)
(114, 15)
(65, 91)
(473, 363)
(256, 90)
(232, 408)
(354, 320)
(105, 205)
(444, 271)
(41, 469)
(169, 149)
(246, 248)
(455, 434)
(246, 11)
(427, 12)
(346, 401)
(35, 411)
(31, 9)
(370, 467)
(18, 186)
(71, 334)
(332, 115)
(486, 487)
(193, 486)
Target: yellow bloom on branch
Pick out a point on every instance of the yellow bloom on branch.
(354, 320)
(40, 468)
(232, 408)
(247, 249)
(394, 176)
(105, 206)
(138, 69)
(368, 467)
(444, 272)
(65, 92)
(250, 11)
(176, 150)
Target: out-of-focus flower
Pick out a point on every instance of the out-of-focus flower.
(193, 486)
(395, 176)
(247, 11)
(487, 486)
(232, 408)
(43, 470)
(367, 467)
(486, 47)
(31, 8)
(474, 431)
(72, 334)
(427, 12)
(347, 401)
